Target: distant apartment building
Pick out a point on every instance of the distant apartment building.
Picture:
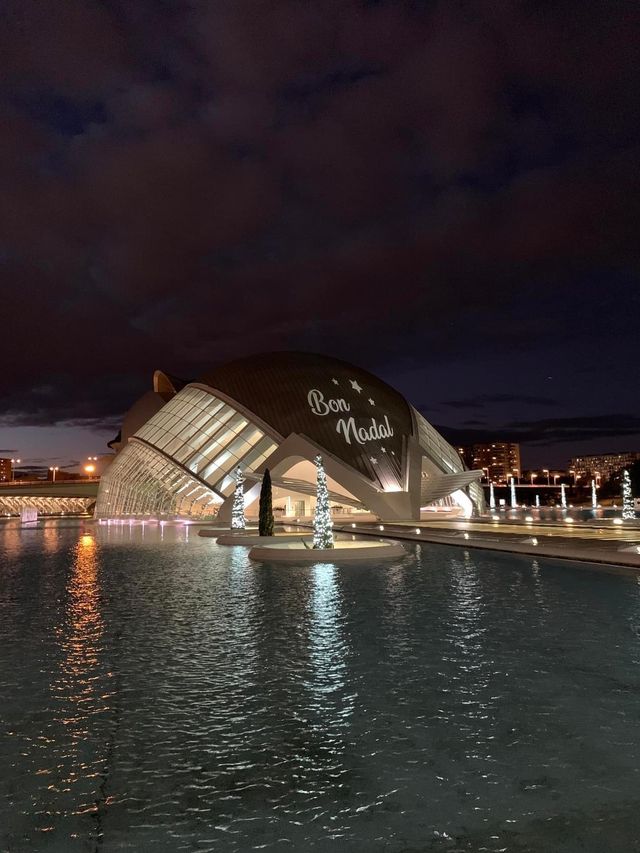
(5, 470)
(500, 459)
(602, 466)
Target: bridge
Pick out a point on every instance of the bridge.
(68, 496)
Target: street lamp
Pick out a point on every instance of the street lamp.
(89, 469)
(573, 471)
(14, 462)
(53, 473)
(546, 471)
(486, 473)
(533, 476)
(597, 473)
(516, 471)
(555, 479)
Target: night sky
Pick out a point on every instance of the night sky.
(445, 193)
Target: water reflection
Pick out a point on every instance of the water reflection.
(50, 537)
(80, 701)
(327, 646)
(331, 699)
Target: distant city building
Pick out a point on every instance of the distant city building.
(603, 465)
(499, 460)
(5, 470)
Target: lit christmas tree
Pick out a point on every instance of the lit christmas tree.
(322, 524)
(238, 521)
(594, 495)
(492, 497)
(627, 497)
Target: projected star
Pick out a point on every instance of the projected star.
(373, 460)
(335, 381)
(355, 386)
(372, 402)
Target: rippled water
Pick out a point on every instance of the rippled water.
(170, 695)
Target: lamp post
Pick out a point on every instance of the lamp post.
(546, 471)
(516, 472)
(486, 473)
(89, 469)
(14, 462)
(533, 476)
(53, 473)
(573, 471)
(555, 479)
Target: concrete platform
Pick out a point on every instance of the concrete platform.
(349, 551)
(256, 539)
(225, 530)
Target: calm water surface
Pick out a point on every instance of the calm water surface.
(164, 694)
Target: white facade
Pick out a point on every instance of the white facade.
(180, 462)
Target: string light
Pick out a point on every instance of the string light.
(322, 523)
(627, 497)
(238, 521)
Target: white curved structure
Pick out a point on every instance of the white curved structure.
(279, 411)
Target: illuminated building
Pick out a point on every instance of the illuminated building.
(181, 443)
(498, 460)
(602, 466)
(5, 470)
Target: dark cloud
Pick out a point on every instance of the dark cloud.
(482, 400)
(552, 431)
(399, 184)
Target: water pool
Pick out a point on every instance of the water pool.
(160, 692)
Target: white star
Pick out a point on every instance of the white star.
(355, 386)
(372, 402)
(335, 381)
(383, 449)
(373, 460)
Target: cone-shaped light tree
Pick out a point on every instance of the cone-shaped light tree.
(322, 524)
(238, 521)
(265, 515)
(627, 497)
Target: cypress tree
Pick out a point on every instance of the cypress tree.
(265, 517)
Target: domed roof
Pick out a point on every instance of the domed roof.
(346, 410)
